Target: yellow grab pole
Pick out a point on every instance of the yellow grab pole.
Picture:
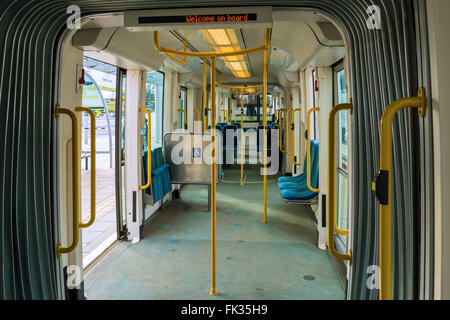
(242, 137)
(76, 190)
(292, 129)
(205, 97)
(224, 113)
(281, 123)
(332, 182)
(230, 108)
(266, 58)
(288, 129)
(308, 149)
(213, 290)
(383, 186)
(149, 149)
(93, 168)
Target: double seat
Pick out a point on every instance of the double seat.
(296, 188)
(161, 183)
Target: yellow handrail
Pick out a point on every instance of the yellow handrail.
(332, 225)
(230, 107)
(282, 123)
(224, 112)
(76, 190)
(204, 54)
(339, 108)
(213, 290)
(149, 149)
(199, 116)
(93, 168)
(383, 186)
(182, 62)
(265, 62)
(184, 117)
(308, 150)
(288, 129)
(292, 129)
(205, 98)
(212, 56)
(242, 137)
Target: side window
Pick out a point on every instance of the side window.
(340, 96)
(154, 102)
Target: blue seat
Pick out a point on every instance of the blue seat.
(161, 183)
(300, 180)
(300, 191)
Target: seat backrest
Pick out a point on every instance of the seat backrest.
(315, 164)
(237, 124)
(158, 157)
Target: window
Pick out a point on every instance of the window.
(182, 106)
(314, 121)
(154, 94)
(340, 96)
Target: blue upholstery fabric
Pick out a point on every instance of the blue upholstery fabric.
(161, 183)
(301, 177)
(297, 189)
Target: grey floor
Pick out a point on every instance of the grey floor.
(278, 260)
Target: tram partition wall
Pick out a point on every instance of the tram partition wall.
(383, 67)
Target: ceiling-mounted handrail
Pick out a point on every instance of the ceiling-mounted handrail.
(93, 167)
(308, 150)
(76, 189)
(149, 149)
(182, 62)
(204, 54)
(332, 224)
(382, 185)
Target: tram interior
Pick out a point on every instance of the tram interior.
(170, 254)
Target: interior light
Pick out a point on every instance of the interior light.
(225, 40)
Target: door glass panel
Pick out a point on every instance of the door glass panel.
(342, 145)
(123, 89)
(154, 102)
(182, 106)
(99, 95)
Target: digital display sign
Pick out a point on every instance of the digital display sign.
(204, 18)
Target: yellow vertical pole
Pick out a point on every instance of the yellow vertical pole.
(230, 107)
(213, 290)
(205, 98)
(76, 189)
(308, 150)
(242, 137)
(383, 186)
(93, 167)
(266, 56)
